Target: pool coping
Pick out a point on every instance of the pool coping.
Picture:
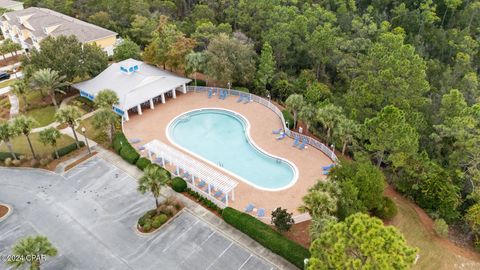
(251, 141)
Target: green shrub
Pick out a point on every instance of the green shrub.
(288, 118)
(178, 184)
(67, 149)
(266, 236)
(159, 220)
(440, 227)
(387, 209)
(129, 154)
(161, 168)
(146, 216)
(119, 140)
(142, 163)
(282, 220)
(5, 155)
(147, 226)
(199, 83)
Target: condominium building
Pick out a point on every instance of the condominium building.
(29, 26)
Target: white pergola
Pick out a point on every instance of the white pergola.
(214, 180)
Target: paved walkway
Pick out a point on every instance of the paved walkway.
(14, 105)
(89, 215)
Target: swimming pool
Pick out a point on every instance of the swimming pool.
(221, 138)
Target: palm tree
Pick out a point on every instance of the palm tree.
(24, 124)
(152, 180)
(194, 62)
(347, 129)
(21, 88)
(106, 99)
(294, 103)
(34, 247)
(329, 116)
(50, 136)
(7, 132)
(105, 119)
(69, 115)
(307, 114)
(50, 81)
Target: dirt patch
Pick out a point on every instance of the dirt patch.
(10, 60)
(427, 223)
(3, 210)
(299, 233)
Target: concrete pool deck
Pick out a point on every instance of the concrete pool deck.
(152, 124)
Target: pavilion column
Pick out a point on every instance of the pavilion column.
(151, 104)
(125, 115)
(139, 109)
(174, 94)
(163, 98)
(233, 194)
(226, 199)
(184, 88)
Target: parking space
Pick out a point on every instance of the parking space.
(89, 214)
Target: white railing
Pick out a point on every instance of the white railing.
(311, 141)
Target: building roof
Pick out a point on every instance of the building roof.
(134, 82)
(44, 22)
(9, 3)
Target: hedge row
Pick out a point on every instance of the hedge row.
(124, 148)
(266, 236)
(67, 149)
(5, 155)
(143, 163)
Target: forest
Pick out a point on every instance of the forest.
(392, 84)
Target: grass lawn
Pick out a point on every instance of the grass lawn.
(92, 133)
(7, 83)
(20, 145)
(44, 116)
(435, 253)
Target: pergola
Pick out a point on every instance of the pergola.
(214, 180)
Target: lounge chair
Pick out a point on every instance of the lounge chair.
(282, 136)
(277, 131)
(302, 145)
(248, 99)
(295, 142)
(220, 94)
(249, 208)
(186, 175)
(325, 172)
(224, 199)
(218, 193)
(240, 98)
(134, 140)
(140, 148)
(209, 93)
(326, 168)
(261, 212)
(201, 184)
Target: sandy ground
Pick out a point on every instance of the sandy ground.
(152, 125)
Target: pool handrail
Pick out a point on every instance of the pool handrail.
(290, 133)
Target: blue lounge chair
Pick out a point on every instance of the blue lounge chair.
(240, 98)
(295, 142)
(218, 193)
(277, 131)
(224, 199)
(140, 148)
(282, 136)
(220, 94)
(186, 175)
(261, 212)
(326, 168)
(201, 184)
(158, 160)
(325, 172)
(134, 140)
(302, 145)
(249, 208)
(209, 93)
(248, 99)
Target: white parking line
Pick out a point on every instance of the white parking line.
(182, 234)
(243, 264)
(220, 255)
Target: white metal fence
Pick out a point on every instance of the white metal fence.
(311, 141)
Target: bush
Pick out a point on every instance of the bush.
(129, 154)
(266, 236)
(199, 83)
(142, 163)
(161, 168)
(5, 155)
(288, 118)
(241, 89)
(159, 220)
(204, 201)
(67, 149)
(8, 162)
(178, 184)
(147, 226)
(119, 140)
(282, 220)
(440, 227)
(148, 215)
(387, 209)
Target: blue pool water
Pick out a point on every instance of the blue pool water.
(220, 137)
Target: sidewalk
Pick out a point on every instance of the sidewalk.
(14, 105)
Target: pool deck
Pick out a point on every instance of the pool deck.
(152, 125)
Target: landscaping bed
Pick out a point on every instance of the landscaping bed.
(3, 210)
(155, 218)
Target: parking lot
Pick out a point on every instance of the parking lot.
(90, 214)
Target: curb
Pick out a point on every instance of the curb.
(9, 212)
